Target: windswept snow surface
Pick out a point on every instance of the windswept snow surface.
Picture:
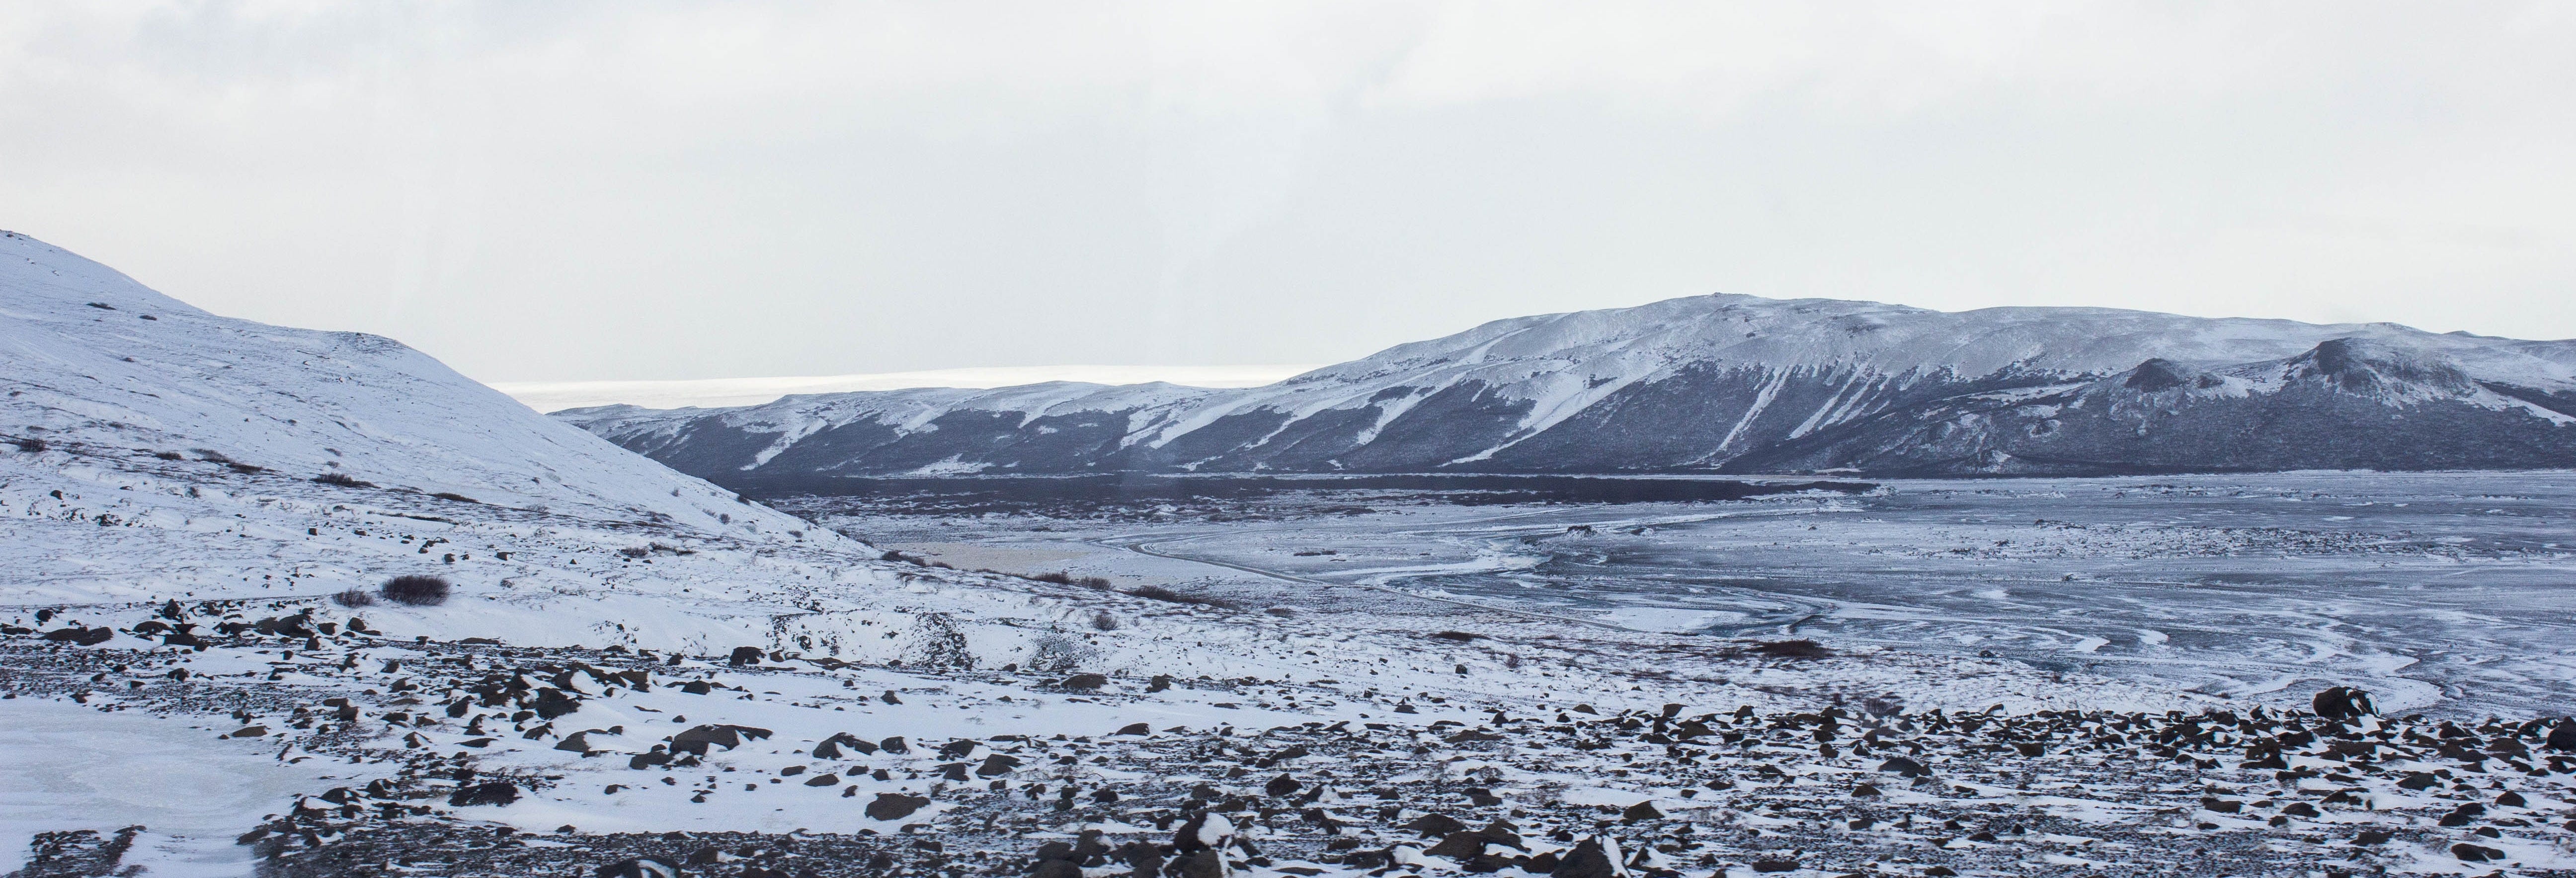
(1726, 383)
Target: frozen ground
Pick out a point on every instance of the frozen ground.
(2453, 593)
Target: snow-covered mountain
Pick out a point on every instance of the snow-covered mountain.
(1722, 383)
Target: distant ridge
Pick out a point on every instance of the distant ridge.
(548, 396)
(1723, 384)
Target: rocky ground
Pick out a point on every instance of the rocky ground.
(458, 753)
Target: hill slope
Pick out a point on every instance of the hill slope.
(1721, 384)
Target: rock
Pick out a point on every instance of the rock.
(1142, 858)
(1434, 825)
(745, 656)
(696, 738)
(997, 765)
(894, 745)
(1203, 864)
(1282, 785)
(831, 747)
(1775, 865)
(640, 867)
(2342, 702)
(1085, 682)
(1055, 869)
(2370, 837)
(248, 732)
(1460, 846)
(1159, 683)
(824, 780)
(2474, 853)
(81, 636)
(895, 806)
(492, 793)
(1640, 811)
(1903, 767)
(1203, 831)
(1589, 859)
(2562, 736)
(1137, 729)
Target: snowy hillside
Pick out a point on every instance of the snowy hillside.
(108, 373)
(1715, 383)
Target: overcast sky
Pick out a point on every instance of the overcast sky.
(633, 190)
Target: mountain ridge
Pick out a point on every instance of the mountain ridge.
(1722, 383)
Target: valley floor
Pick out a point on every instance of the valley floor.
(603, 697)
(2446, 593)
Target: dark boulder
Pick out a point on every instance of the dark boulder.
(895, 806)
(491, 793)
(1586, 860)
(2342, 702)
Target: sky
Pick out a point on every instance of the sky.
(588, 191)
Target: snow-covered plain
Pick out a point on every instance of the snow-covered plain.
(2442, 592)
(634, 663)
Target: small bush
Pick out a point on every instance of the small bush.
(1055, 654)
(1063, 578)
(169, 455)
(1104, 622)
(30, 445)
(1792, 649)
(343, 480)
(1058, 578)
(354, 598)
(418, 591)
(1460, 636)
(246, 468)
(452, 496)
(1159, 593)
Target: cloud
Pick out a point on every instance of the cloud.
(671, 189)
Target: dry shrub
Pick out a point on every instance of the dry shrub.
(417, 591)
(1791, 649)
(1159, 593)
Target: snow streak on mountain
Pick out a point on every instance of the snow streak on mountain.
(1723, 384)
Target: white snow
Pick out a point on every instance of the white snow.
(551, 396)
